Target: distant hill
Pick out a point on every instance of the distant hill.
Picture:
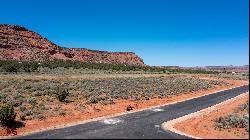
(19, 43)
(230, 68)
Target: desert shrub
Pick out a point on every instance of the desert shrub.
(108, 101)
(7, 115)
(47, 107)
(15, 66)
(238, 76)
(147, 98)
(10, 67)
(28, 112)
(93, 100)
(39, 93)
(217, 82)
(80, 107)
(125, 97)
(2, 96)
(61, 112)
(233, 121)
(244, 106)
(49, 98)
(16, 103)
(43, 69)
(136, 98)
(32, 100)
(39, 116)
(96, 99)
(22, 116)
(22, 108)
(62, 94)
(141, 88)
(58, 110)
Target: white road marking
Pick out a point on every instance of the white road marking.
(157, 110)
(111, 121)
(157, 126)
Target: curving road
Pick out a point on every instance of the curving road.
(140, 125)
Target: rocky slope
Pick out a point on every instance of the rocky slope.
(19, 43)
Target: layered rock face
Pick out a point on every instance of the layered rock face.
(19, 43)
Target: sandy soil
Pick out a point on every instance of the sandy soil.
(97, 110)
(201, 126)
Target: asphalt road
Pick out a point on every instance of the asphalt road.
(140, 125)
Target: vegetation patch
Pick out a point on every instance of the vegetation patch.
(36, 98)
(62, 94)
(235, 120)
(59, 66)
(7, 116)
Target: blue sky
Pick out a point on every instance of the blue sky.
(161, 32)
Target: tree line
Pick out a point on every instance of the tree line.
(27, 66)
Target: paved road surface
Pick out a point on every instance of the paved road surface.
(139, 125)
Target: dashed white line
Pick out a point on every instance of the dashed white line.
(157, 110)
(111, 121)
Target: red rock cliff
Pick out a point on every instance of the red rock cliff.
(19, 43)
